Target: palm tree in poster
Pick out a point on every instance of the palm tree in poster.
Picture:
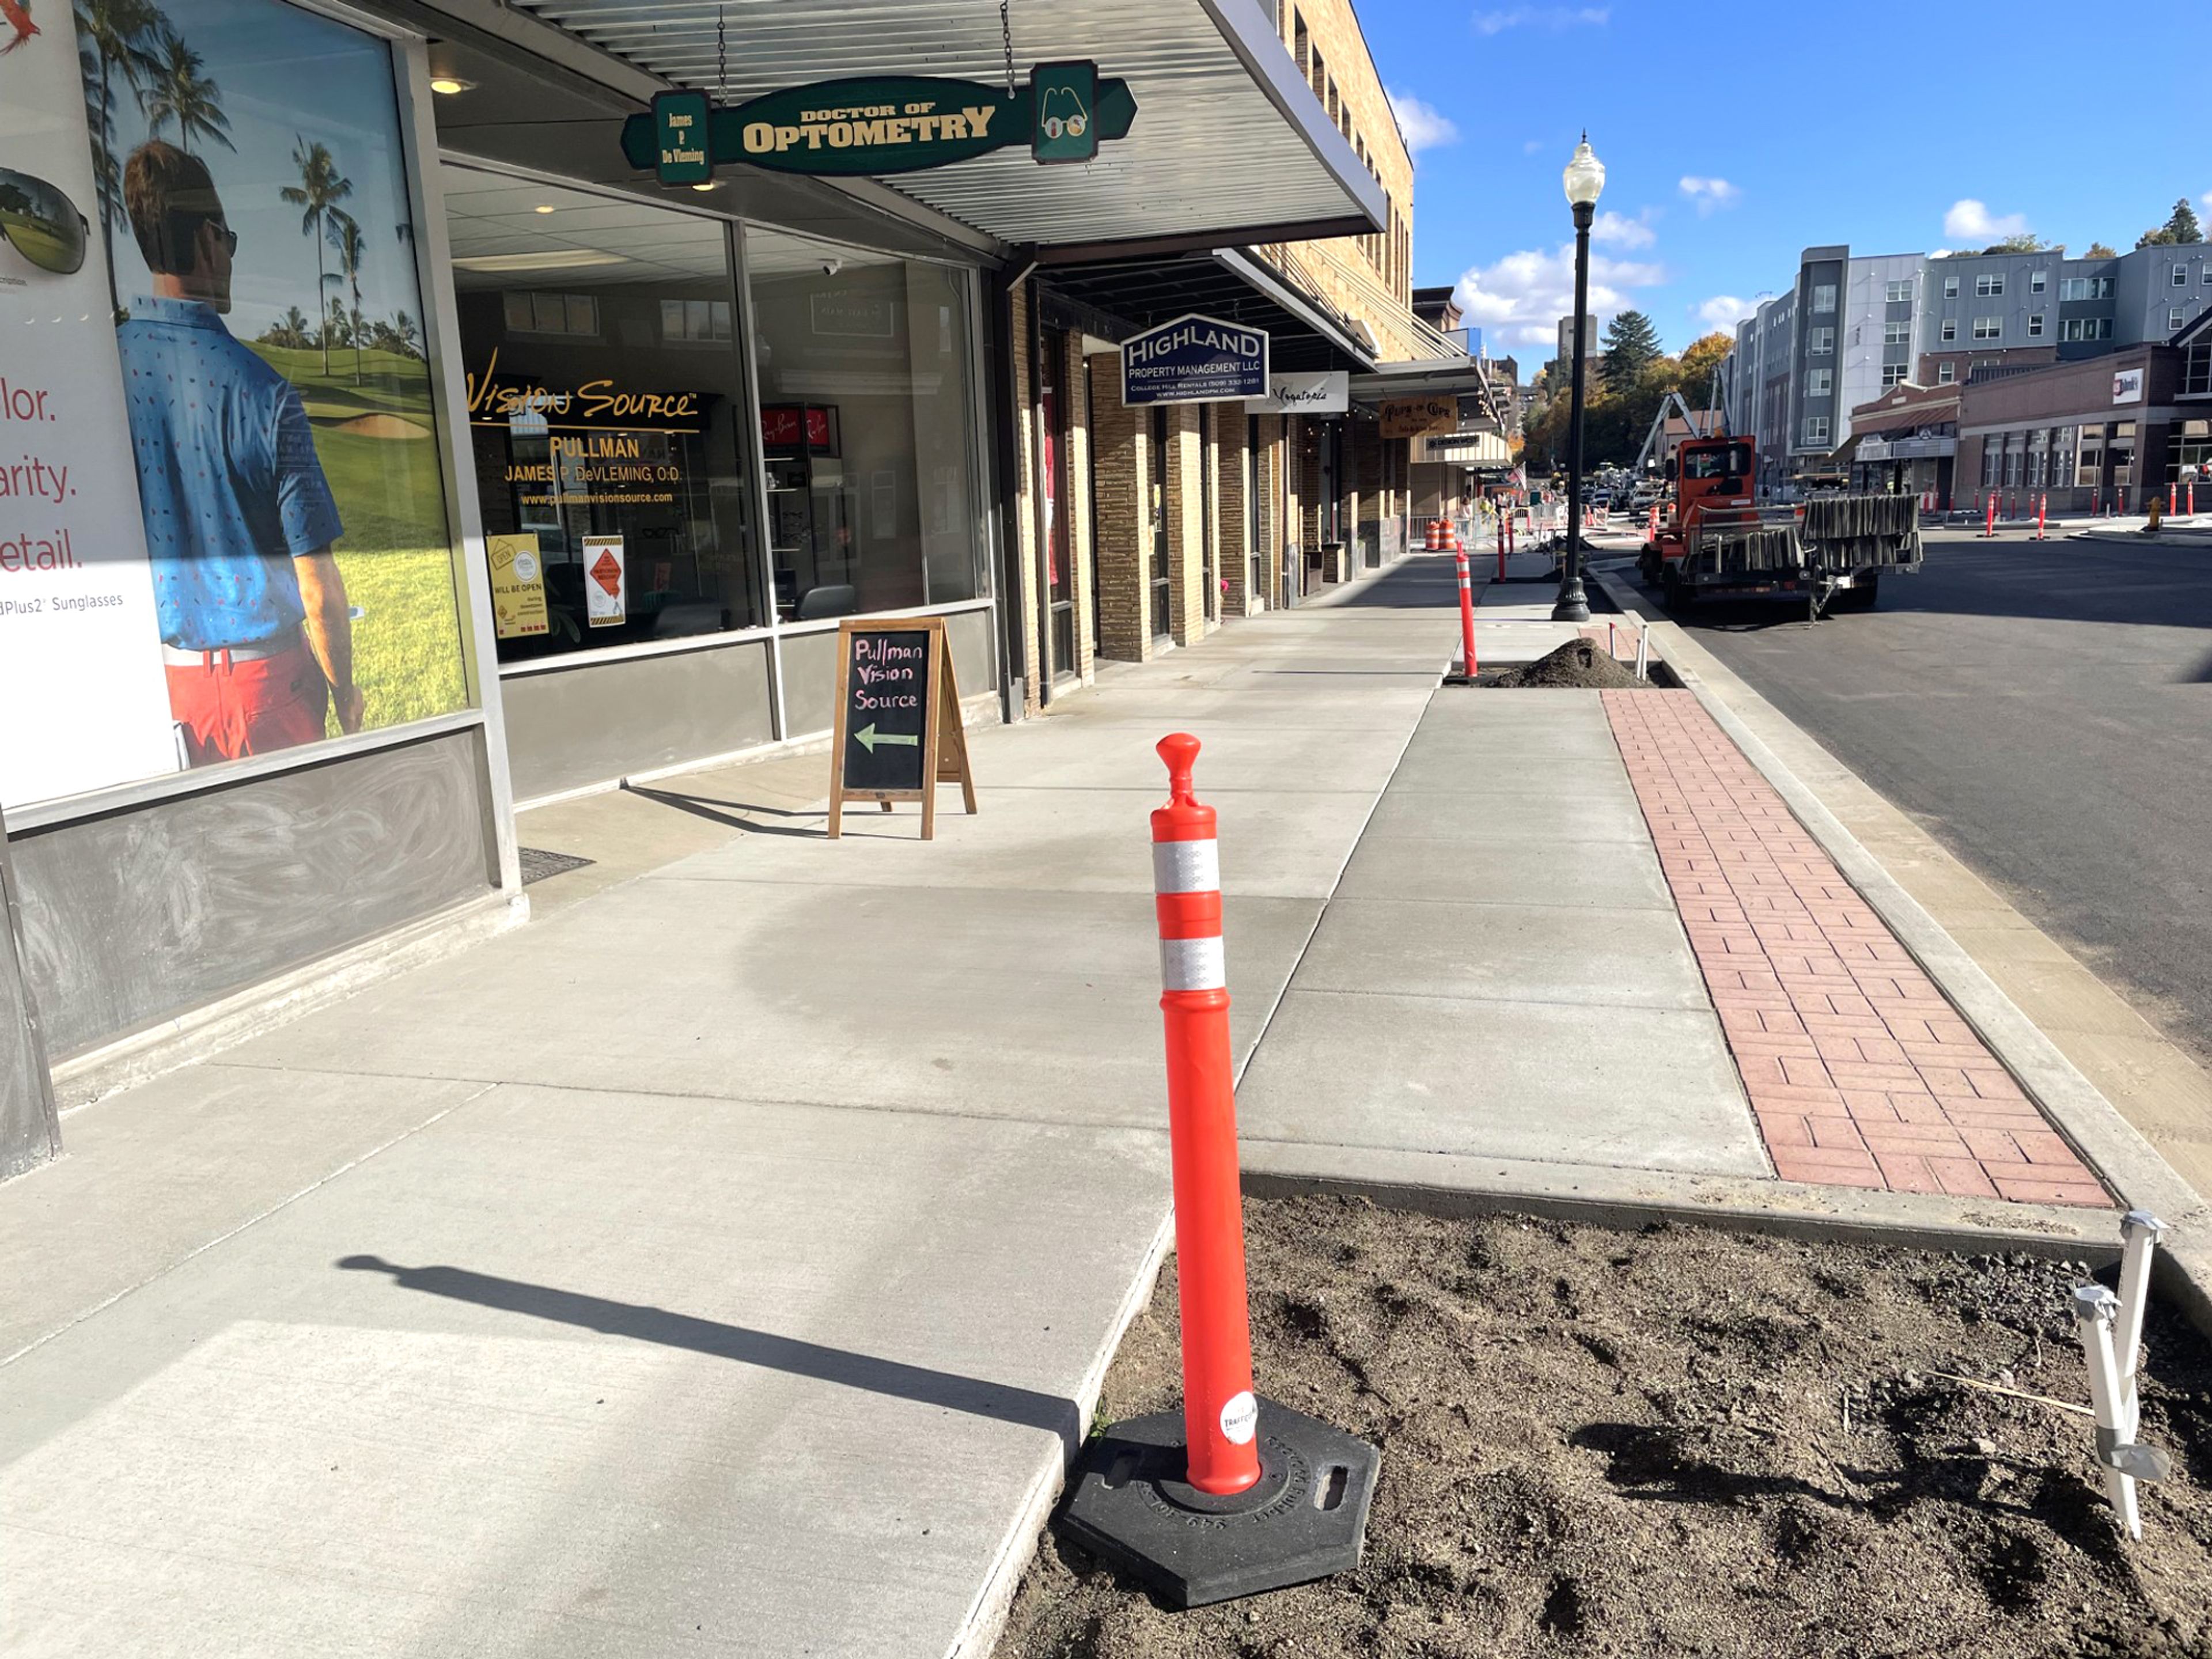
(115, 38)
(352, 247)
(321, 188)
(178, 91)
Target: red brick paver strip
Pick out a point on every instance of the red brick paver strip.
(1860, 1072)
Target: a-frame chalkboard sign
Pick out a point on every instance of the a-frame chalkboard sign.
(898, 733)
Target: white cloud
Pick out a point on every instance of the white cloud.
(1970, 220)
(1618, 227)
(1535, 144)
(1544, 17)
(1725, 311)
(1519, 299)
(1710, 194)
(1423, 125)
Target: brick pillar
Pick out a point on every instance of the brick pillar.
(1235, 429)
(1124, 474)
(1186, 508)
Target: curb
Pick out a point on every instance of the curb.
(2112, 1147)
(1459, 1184)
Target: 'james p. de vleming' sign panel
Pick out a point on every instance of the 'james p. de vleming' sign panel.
(883, 124)
(1194, 360)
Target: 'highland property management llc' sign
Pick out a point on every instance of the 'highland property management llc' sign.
(1194, 360)
(881, 123)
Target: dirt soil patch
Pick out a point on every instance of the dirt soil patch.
(1578, 664)
(1677, 1441)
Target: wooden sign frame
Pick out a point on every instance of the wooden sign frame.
(944, 738)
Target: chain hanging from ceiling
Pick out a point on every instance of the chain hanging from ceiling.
(721, 59)
(1006, 35)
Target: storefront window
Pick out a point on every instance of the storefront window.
(606, 409)
(2090, 469)
(2123, 454)
(867, 426)
(231, 539)
(2192, 452)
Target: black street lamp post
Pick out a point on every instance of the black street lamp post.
(1584, 178)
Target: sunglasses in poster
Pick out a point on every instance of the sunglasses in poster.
(42, 224)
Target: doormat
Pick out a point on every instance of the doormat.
(537, 864)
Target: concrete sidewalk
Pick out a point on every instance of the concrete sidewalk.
(727, 1262)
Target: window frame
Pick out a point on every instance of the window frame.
(1821, 436)
(1989, 328)
(2035, 324)
(1950, 328)
(1950, 285)
(1989, 285)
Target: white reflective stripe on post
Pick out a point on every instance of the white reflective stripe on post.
(1186, 866)
(1193, 964)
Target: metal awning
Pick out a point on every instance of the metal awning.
(1230, 143)
(1227, 283)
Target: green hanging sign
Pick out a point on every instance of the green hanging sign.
(901, 123)
(680, 119)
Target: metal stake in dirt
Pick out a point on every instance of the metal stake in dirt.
(1467, 611)
(1234, 1494)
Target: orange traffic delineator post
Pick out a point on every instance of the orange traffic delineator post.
(1501, 552)
(1467, 610)
(2041, 501)
(1990, 527)
(1234, 1494)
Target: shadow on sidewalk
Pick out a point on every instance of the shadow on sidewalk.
(726, 812)
(1023, 1407)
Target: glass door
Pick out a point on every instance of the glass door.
(1252, 598)
(1060, 586)
(1209, 564)
(1161, 581)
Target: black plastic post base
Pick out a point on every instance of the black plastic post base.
(1130, 1506)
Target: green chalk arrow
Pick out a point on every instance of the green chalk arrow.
(867, 737)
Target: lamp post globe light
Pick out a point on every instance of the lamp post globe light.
(1584, 178)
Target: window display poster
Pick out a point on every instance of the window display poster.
(80, 664)
(606, 599)
(206, 220)
(518, 587)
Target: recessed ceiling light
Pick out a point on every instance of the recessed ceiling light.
(446, 85)
(710, 183)
(545, 207)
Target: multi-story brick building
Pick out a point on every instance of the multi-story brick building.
(1852, 327)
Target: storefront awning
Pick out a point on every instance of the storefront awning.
(1232, 285)
(1229, 143)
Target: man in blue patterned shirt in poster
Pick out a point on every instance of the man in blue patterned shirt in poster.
(255, 631)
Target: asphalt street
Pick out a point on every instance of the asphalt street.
(2045, 711)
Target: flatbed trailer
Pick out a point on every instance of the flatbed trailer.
(1831, 551)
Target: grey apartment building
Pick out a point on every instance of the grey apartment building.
(1850, 327)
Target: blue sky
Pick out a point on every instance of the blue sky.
(1719, 170)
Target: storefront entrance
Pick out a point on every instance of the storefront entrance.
(1162, 579)
(1059, 576)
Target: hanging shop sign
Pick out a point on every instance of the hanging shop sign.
(898, 732)
(1325, 391)
(1194, 360)
(1417, 418)
(1064, 108)
(679, 137)
(900, 124)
